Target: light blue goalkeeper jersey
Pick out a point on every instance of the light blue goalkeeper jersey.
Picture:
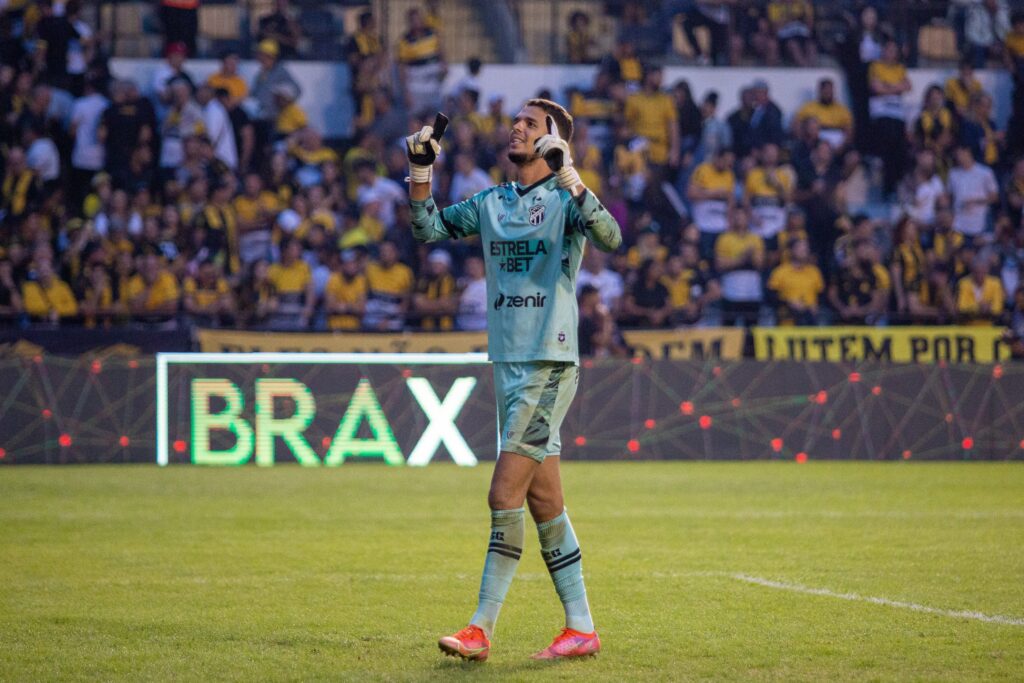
(533, 241)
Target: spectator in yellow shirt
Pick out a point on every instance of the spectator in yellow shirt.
(98, 303)
(255, 210)
(345, 295)
(793, 22)
(311, 154)
(887, 79)
(739, 259)
(227, 78)
(291, 280)
(291, 118)
(797, 286)
(768, 193)
(579, 42)
(153, 293)
(208, 299)
(651, 114)
(587, 157)
(629, 163)
(962, 87)
(1014, 41)
(391, 284)
(625, 61)
(980, 298)
(690, 285)
(648, 245)
(421, 64)
(835, 119)
(48, 298)
(712, 195)
(436, 300)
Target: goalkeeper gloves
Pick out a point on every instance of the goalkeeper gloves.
(422, 149)
(555, 151)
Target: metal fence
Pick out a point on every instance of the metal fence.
(664, 30)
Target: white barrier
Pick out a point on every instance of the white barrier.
(325, 85)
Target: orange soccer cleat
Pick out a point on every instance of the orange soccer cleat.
(470, 643)
(570, 643)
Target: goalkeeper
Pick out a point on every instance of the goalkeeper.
(533, 234)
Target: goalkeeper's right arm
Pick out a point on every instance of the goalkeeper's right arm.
(429, 224)
(422, 149)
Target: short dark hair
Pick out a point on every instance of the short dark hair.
(563, 119)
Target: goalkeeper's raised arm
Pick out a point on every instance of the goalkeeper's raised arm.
(591, 218)
(539, 149)
(428, 224)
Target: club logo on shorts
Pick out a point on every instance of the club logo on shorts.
(561, 337)
(536, 214)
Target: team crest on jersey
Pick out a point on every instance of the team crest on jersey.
(536, 214)
(561, 337)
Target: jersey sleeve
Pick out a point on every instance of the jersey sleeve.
(455, 222)
(587, 215)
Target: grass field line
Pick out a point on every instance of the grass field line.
(825, 514)
(854, 597)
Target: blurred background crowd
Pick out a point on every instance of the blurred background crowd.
(214, 202)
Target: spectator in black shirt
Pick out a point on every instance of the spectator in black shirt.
(598, 335)
(691, 121)
(279, 26)
(12, 50)
(647, 303)
(816, 184)
(766, 119)
(57, 32)
(180, 19)
(739, 124)
(241, 126)
(126, 124)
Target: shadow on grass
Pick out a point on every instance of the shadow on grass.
(453, 668)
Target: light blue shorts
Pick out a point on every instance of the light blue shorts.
(533, 399)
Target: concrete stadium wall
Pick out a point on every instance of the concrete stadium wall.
(325, 85)
(104, 409)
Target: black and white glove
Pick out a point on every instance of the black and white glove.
(555, 151)
(422, 149)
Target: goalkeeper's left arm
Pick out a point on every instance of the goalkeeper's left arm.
(587, 213)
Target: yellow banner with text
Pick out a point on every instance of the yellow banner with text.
(885, 344)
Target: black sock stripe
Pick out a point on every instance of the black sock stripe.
(558, 567)
(559, 562)
(561, 558)
(506, 546)
(506, 553)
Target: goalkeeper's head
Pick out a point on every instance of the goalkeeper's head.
(531, 123)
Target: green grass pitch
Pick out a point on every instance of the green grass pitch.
(695, 571)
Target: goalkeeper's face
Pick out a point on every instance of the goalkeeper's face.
(527, 127)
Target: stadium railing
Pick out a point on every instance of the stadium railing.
(928, 28)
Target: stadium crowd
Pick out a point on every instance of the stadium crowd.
(216, 203)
